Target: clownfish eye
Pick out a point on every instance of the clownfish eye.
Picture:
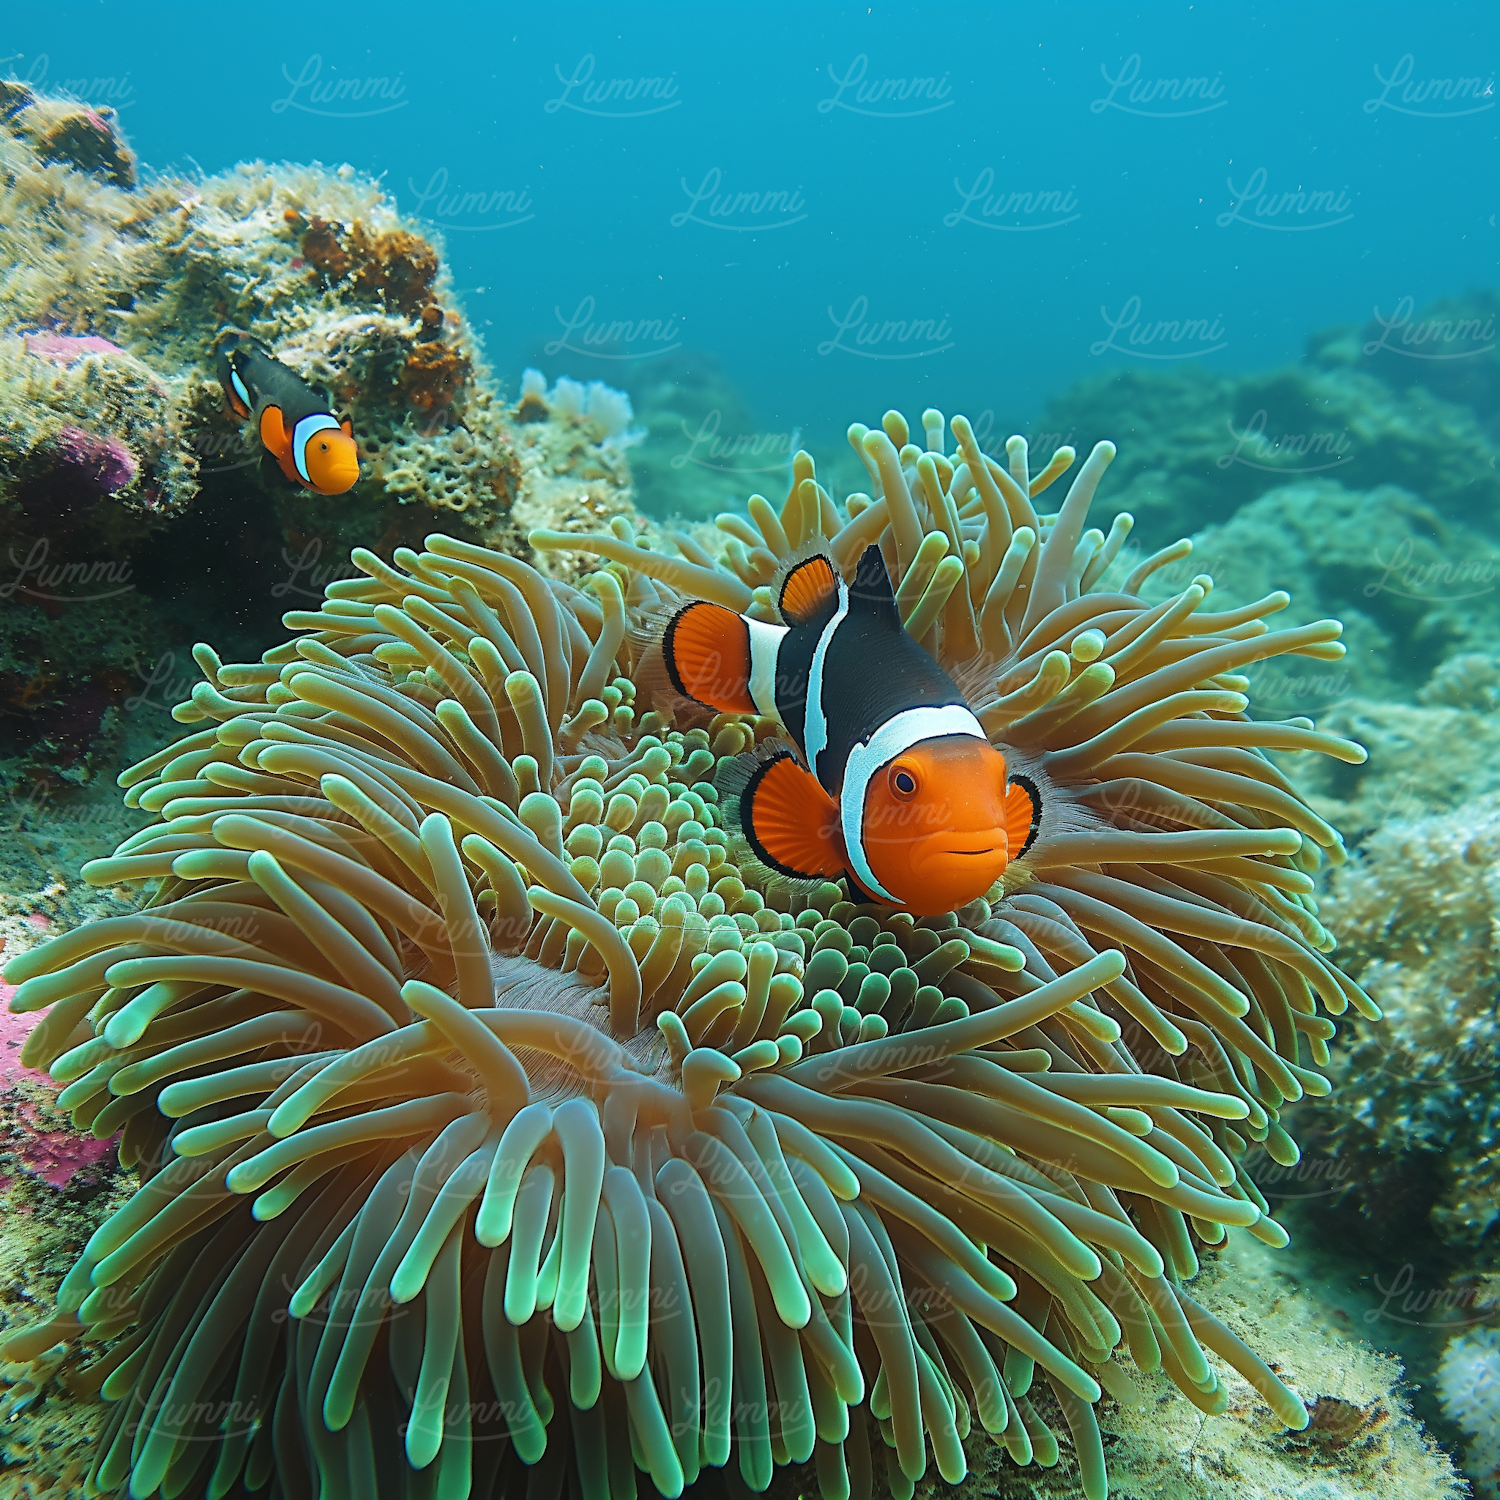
(323, 446)
(903, 781)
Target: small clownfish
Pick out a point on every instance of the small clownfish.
(312, 446)
(894, 785)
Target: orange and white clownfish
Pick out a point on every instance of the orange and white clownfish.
(312, 446)
(895, 786)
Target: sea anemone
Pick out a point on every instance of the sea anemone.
(499, 1130)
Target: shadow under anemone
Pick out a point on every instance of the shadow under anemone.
(500, 1132)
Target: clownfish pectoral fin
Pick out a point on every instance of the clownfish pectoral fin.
(809, 589)
(273, 433)
(1023, 815)
(707, 652)
(790, 822)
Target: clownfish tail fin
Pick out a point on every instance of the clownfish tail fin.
(789, 824)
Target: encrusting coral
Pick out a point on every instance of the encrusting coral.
(497, 1127)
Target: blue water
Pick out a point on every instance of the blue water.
(850, 207)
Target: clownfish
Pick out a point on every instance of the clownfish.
(296, 428)
(893, 784)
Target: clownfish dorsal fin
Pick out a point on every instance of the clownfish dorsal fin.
(790, 822)
(809, 590)
(871, 592)
(1023, 815)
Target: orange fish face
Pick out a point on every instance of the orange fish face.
(934, 826)
(332, 460)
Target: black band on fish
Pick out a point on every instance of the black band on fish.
(1015, 814)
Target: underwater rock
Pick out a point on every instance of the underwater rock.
(318, 266)
(116, 451)
(1450, 348)
(1198, 443)
(93, 461)
(63, 130)
(1425, 759)
(84, 420)
(38, 1138)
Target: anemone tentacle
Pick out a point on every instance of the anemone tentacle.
(499, 1123)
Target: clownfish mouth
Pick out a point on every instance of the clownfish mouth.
(937, 848)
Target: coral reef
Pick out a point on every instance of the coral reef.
(316, 265)
(493, 1112)
(1425, 758)
(575, 430)
(1416, 1118)
(62, 130)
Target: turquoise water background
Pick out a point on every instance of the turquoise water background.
(852, 207)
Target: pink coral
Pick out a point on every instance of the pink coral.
(54, 1156)
(64, 348)
(99, 463)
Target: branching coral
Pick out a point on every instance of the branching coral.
(493, 1120)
